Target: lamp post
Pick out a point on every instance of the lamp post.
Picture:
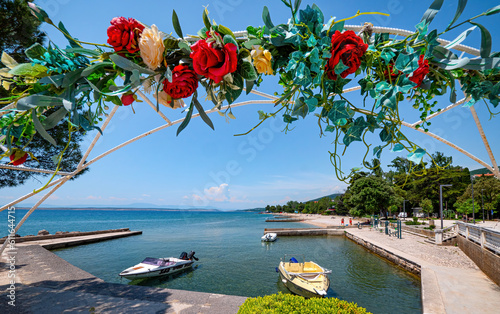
(472, 189)
(404, 209)
(482, 203)
(441, 201)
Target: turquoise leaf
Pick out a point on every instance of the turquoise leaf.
(353, 134)
(416, 156)
(377, 151)
(330, 128)
(397, 148)
(340, 67)
(311, 42)
(312, 103)
(338, 111)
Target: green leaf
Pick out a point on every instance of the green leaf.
(432, 11)
(226, 31)
(83, 51)
(451, 64)
(485, 50)
(267, 18)
(377, 151)
(177, 28)
(460, 38)
(186, 119)
(35, 51)
(128, 65)
(460, 9)
(34, 101)
(124, 89)
(94, 67)
(300, 108)
(184, 46)
(55, 80)
(40, 129)
(228, 39)
(206, 20)
(28, 69)
(338, 111)
(247, 71)
(483, 64)
(72, 77)
(66, 34)
(233, 94)
(54, 118)
(249, 86)
(171, 43)
(416, 156)
(353, 134)
(8, 61)
(493, 10)
(202, 112)
(397, 148)
(297, 5)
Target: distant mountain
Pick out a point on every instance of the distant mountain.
(331, 196)
(259, 209)
(124, 207)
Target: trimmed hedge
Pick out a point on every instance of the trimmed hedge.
(288, 303)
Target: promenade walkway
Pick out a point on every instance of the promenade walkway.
(451, 282)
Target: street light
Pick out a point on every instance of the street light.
(441, 201)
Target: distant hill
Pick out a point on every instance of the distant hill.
(331, 196)
(252, 210)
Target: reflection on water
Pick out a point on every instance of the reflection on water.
(233, 260)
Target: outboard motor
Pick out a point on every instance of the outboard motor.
(191, 256)
(183, 255)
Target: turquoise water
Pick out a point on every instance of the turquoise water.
(232, 258)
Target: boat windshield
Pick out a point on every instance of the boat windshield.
(153, 261)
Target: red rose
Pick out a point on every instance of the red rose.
(420, 73)
(184, 82)
(394, 74)
(212, 61)
(349, 48)
(124, 34)
(19, 161)
(128, 99)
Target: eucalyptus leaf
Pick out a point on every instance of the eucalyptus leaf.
(493, 10)
(128, 65)
(55, 80)
(267, 18)
(177, 26)
(66, 34)
(186, 119)
(485, 50)
(35, 101)
(72, 77)
(432, 11)
(40, 129)
(52, 120)
(226, 31)
(249, 86)
(460, 38)
(202, 112)
(206, 20)
(35, 51)
(460, 9)
(83, 51)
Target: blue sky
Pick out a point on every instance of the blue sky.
(202, 167)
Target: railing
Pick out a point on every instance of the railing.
(485, 237)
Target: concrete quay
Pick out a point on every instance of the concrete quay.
(447, 287)
(45, 283)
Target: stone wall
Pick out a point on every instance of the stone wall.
(488, 262)
(398, 260)
(424, 232)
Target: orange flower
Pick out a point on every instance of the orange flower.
(262, 60)
(151, 47)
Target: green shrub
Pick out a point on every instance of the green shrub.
(412, 223)
(288, 303)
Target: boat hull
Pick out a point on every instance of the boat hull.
(129, 273)
(306, 288)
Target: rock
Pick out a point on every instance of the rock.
(59, 232)
(43, 232)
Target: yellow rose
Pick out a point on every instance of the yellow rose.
(262, 60)
(151, 47)
(166, 100)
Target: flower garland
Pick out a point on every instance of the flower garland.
(314, 60)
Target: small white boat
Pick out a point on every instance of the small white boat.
(307, 279)
(269, 237)
(155, 267)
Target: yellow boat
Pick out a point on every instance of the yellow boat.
(307, 279)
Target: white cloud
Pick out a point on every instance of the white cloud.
(92, 197)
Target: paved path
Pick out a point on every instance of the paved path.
(451, 282)
(45, 283)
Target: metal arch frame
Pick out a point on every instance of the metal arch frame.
(270, 100)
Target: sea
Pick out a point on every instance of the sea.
(232, 258)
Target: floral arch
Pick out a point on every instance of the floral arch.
(315, 61)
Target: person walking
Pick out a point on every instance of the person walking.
(342, 221)
(350, 221)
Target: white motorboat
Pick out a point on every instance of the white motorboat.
(269, 237)
(155, 267)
